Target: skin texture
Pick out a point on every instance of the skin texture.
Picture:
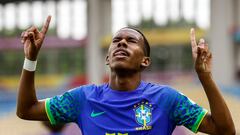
(220, 120)
(28, 107)
(126, 69)
(126, 61)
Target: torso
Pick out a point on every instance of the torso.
(139, 112)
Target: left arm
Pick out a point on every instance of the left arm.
(220, 120)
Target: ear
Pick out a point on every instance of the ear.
(107, 60)
(146, 61)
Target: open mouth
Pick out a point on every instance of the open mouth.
(121, 53)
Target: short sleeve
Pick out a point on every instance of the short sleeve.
(187, 113)
(62, 109)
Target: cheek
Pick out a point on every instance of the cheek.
(110, 49)
(137, 57)
(138, 51)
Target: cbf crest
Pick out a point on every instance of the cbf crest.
(143, 115)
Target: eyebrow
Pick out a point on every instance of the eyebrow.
(128, 37)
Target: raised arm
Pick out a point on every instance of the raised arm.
(219, 121)
(28, 107)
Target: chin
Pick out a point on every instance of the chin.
(122, 66)
(119, 65)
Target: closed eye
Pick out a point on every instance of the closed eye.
(132, 41)
(116, 40)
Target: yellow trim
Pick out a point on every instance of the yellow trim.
(199, 121)
(110, 133)
(48, 112)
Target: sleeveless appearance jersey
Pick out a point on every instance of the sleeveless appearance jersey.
(150, 109)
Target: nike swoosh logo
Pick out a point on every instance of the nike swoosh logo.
(93, 114)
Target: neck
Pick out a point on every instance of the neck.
(124, 81)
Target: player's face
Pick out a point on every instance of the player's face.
(126, 50)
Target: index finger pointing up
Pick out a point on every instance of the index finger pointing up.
(46, 25)
(193, 38)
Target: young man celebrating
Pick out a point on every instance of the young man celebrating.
(126, 105)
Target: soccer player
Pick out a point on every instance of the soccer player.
(125, 105)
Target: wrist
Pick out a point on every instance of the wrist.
(29, 65)
(204, 75)
(31, 58)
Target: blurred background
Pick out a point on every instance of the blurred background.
(80, 32)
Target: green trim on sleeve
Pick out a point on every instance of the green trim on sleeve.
(48, 112)
(199, 120)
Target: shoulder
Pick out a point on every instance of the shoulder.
(163, 95)
(86, 90)
(159, 88)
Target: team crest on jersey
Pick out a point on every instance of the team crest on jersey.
(143, 115)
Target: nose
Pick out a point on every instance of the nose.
(122, 43)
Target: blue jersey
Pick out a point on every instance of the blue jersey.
(150, 109)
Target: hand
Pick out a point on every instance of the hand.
(202, 57)
(32, 40)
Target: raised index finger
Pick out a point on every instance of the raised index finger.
(46, 25)
(193, 37)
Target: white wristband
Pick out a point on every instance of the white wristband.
(29, 65)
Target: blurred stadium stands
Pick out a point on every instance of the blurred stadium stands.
(62, 63)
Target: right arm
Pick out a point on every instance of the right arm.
(28, 106)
